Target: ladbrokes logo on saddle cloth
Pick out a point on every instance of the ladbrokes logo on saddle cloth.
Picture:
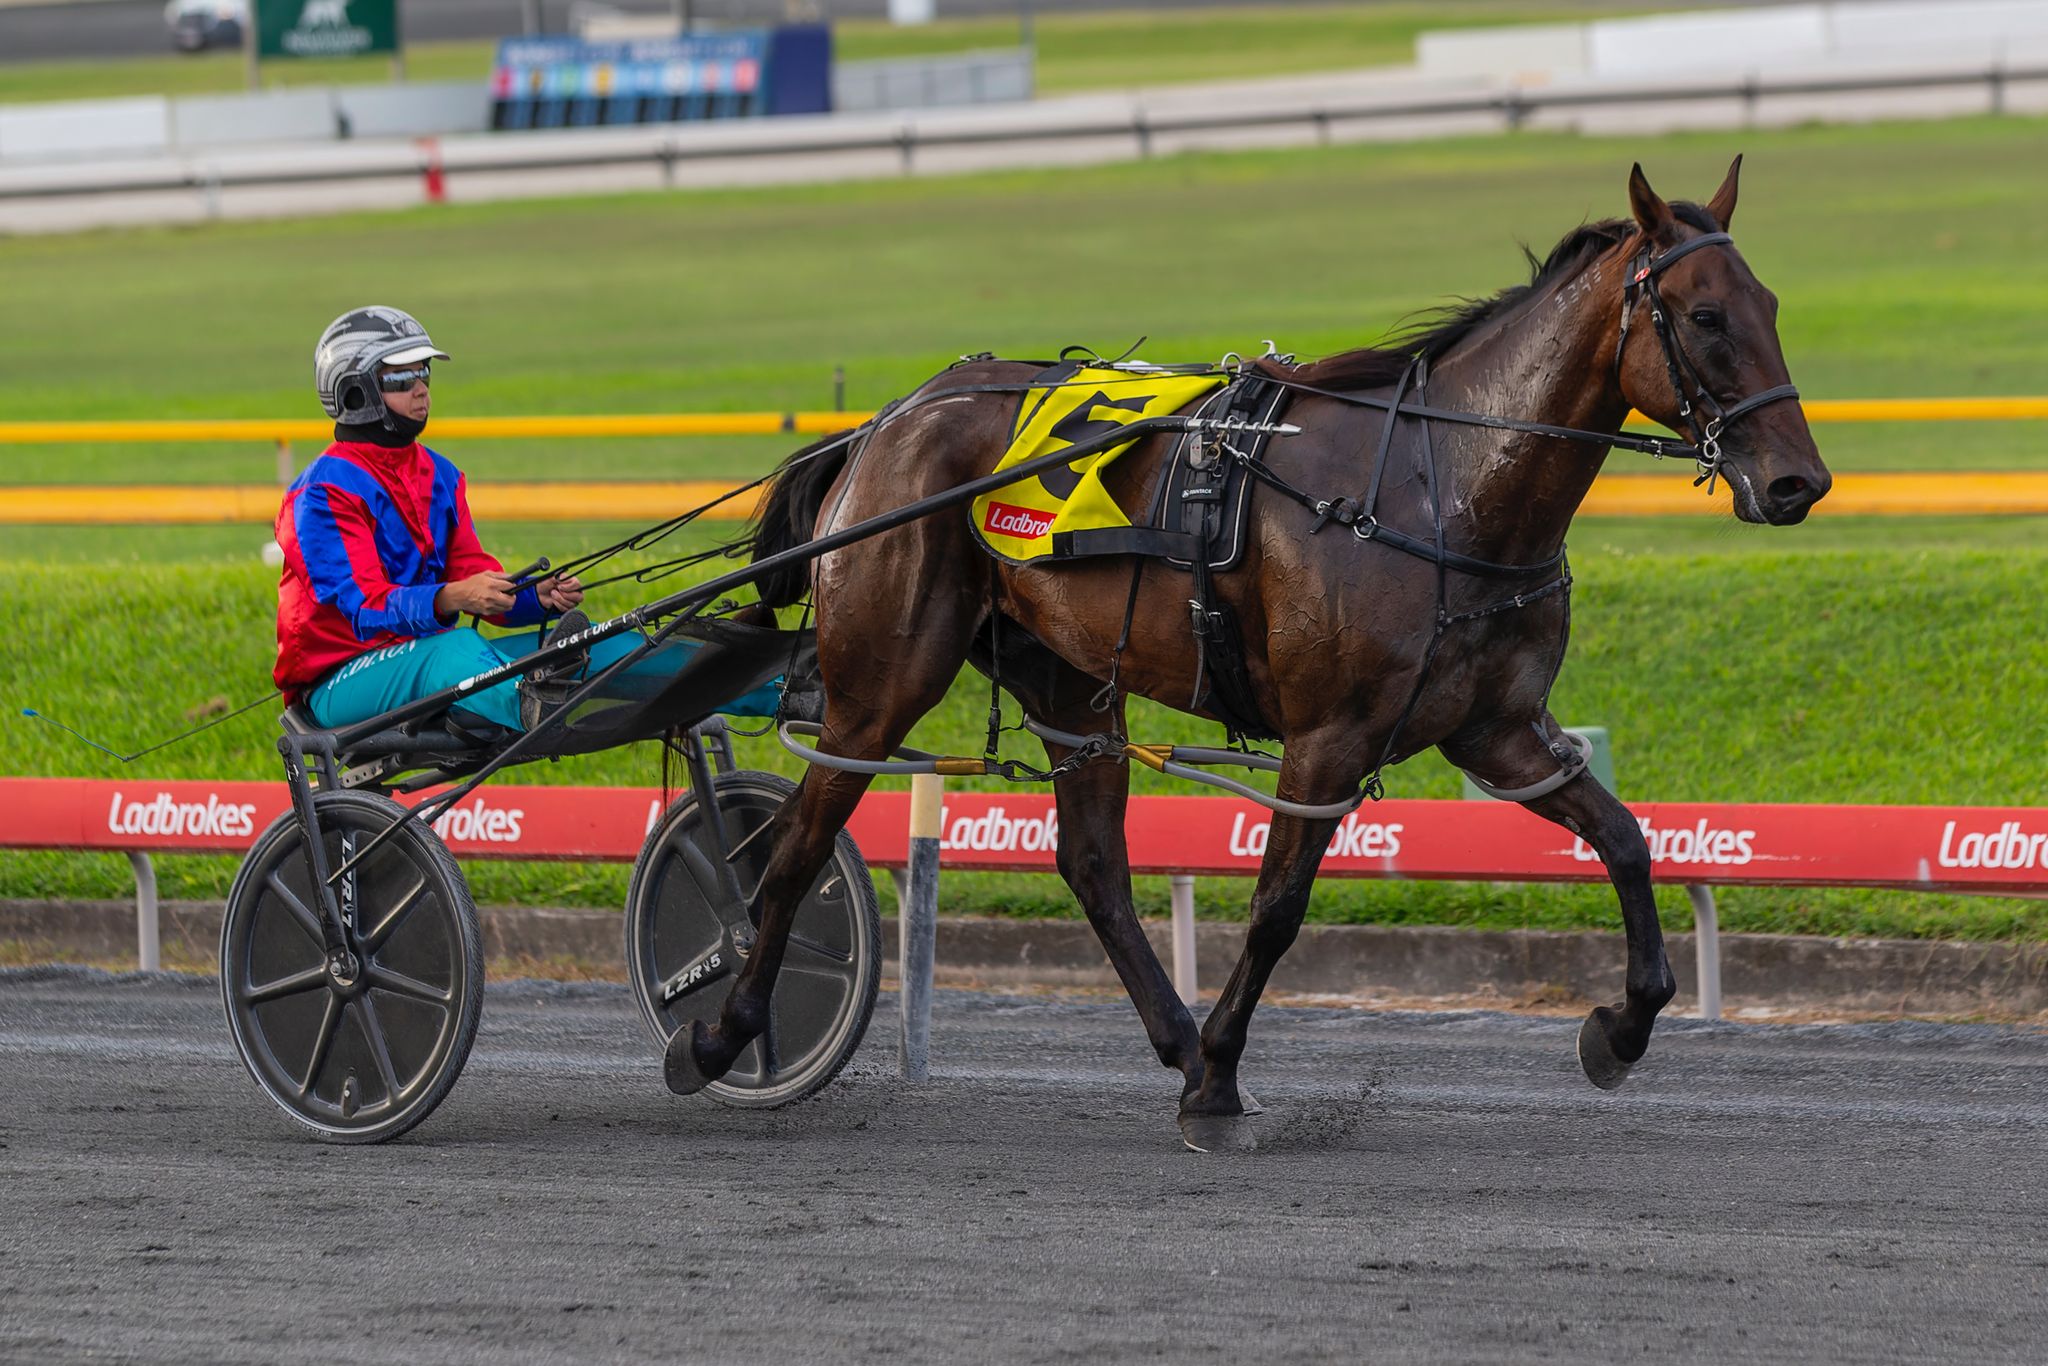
(1018, 522)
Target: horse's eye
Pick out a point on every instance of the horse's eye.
(1707, 317)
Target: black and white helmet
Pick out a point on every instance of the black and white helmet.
(350, 350)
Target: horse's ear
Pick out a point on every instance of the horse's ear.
(1653, 215)
(1722, 205)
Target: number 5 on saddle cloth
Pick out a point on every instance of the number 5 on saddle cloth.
(1195, 520)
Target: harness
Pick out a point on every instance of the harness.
(1642, 284)
(1234, 444)
(1361, 514)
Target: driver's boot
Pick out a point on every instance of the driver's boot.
(547, 687)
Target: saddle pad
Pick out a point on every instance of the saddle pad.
(1019, 521)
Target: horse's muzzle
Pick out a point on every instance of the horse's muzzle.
(1789, 497)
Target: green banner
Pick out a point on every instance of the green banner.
(325, 28)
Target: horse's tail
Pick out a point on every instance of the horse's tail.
(789, 514)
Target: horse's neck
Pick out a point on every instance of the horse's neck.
(1509, 496)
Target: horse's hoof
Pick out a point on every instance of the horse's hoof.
(679, 1064)
(1596, 1055)
(1249, 1101)
(1218, 1134)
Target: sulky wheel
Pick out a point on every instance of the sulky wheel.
(688, 932)
(357, 1054)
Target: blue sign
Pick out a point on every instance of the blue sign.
(741, 73)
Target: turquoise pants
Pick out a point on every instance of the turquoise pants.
(397, 674)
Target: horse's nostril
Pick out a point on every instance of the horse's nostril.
(1788, 489)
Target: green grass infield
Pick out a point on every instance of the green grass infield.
(1895, 251)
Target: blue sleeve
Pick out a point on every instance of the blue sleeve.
(525, 611)
(338, 543)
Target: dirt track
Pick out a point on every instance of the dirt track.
(1432, 1188)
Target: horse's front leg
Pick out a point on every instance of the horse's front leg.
(1613, 1038)
(1318, 770)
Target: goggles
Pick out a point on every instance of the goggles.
(398, 381)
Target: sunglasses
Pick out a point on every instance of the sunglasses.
(398, 381)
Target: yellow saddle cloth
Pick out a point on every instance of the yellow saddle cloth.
(1019, 521)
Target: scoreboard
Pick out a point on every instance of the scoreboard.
(738, 73)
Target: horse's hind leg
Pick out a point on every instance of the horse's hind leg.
(878, 683)
(1613, 1038)
(1093, 856)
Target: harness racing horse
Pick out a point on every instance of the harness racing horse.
(1361, 649)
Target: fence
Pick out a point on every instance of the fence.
(1907, 848)
(1126, 129)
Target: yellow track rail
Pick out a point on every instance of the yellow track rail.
(1617, 495)
(814, 423)
(567, 425)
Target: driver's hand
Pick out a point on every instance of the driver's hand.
(560, 592)
(484, 595)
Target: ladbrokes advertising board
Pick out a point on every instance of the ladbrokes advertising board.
(1984, 849)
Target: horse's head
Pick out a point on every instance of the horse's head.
(1699, 353)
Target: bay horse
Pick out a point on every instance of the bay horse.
(1357, 656)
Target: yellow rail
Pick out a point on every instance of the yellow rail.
(267, 429)
(815, 423)
(1614, 495)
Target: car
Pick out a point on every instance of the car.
(200, 24)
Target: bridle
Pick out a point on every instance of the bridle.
(1706, 437)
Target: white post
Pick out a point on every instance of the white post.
(1706, 921)
(148, 954)
(917, 925)
(1183, 885)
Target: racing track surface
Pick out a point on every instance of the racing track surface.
(1432, 1188)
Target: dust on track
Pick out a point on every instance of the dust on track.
(1431, 1187)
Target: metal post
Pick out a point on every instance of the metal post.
(1183, 886)
(251, 45)
(917, 923)
(148, 953)
(1706, 921)
(287, 468)
(839, 388)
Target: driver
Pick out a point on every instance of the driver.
(381, 558)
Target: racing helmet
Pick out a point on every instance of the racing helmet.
(350, 350)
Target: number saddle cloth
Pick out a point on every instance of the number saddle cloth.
(1194, 519)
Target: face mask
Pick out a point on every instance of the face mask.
(406, 429)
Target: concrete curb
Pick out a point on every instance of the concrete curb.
(1900, 976)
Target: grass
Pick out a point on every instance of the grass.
(1085, 51)
(1776, 676)
(1868, 660)
(1592, 538)
(1890, 247)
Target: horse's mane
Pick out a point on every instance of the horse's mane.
(1372, 367)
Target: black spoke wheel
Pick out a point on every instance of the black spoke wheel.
(360, 1052)
(688, 933)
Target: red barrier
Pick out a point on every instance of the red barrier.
(1925, 848)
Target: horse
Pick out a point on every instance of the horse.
(1357, 655)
